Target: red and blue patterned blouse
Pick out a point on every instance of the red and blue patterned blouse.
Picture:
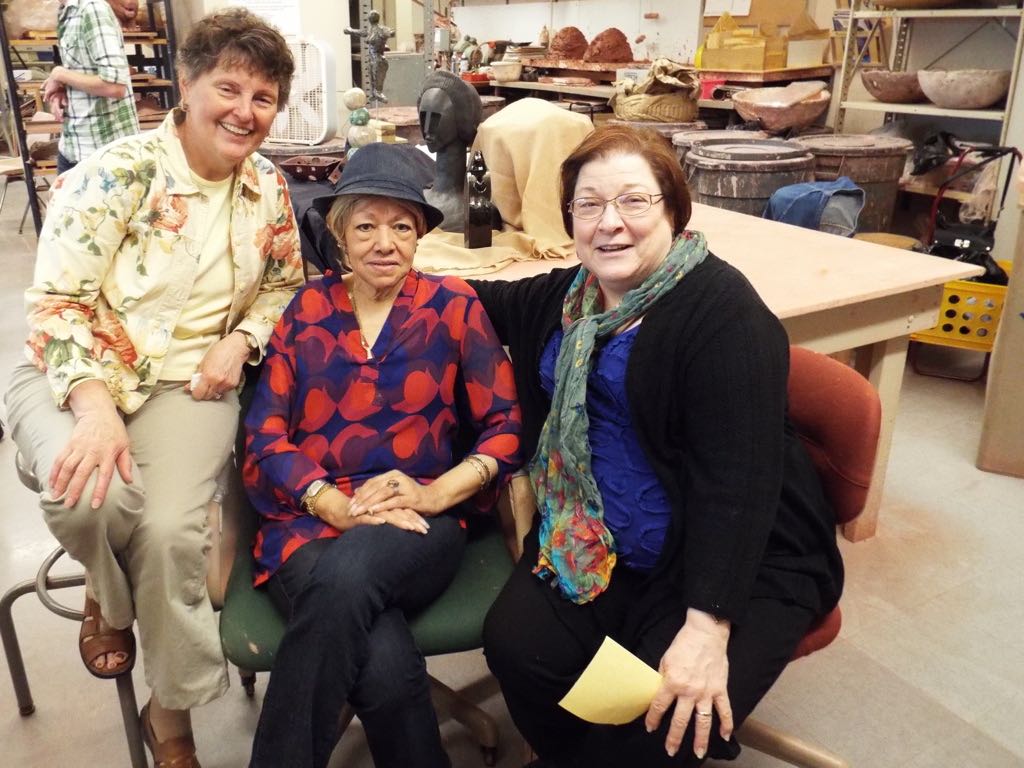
(322, 410)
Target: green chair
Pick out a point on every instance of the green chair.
(251, 627)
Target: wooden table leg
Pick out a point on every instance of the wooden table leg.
(882, 364)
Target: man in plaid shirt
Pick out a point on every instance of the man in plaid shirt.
(92, 90)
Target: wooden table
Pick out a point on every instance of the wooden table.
(832, 294)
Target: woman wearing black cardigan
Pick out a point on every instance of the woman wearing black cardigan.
(679, 513)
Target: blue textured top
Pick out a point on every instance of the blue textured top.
(636, 508)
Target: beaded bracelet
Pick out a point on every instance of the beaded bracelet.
(481, 469)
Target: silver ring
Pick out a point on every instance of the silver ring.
(217, 396)
(703, 714)
(393, 484)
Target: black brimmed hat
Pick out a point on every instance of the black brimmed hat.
(387, 170)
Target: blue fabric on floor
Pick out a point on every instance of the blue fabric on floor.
(828, 206)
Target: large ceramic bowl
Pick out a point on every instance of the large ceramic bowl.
(760, 104)
(964, 88)
(892, 87)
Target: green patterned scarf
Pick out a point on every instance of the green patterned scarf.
(576, 549)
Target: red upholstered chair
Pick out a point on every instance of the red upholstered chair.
(837, 414)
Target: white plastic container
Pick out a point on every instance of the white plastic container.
(506, 71)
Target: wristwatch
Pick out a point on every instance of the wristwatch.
(313, 492)
(253, 344)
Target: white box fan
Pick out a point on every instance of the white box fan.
(311, 116)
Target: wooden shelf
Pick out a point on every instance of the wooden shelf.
(34, 86)
(917, 188)
(154, 83)
(49, 42)
(945, 13)
(596, 91)
(769, 75)
(995, 115)
(54, 126)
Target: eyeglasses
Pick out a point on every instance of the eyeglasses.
(629, 204)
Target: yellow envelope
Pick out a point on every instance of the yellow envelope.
(615, 688)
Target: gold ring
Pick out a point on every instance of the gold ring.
(703, 714)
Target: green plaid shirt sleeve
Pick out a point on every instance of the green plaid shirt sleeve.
(91, 42)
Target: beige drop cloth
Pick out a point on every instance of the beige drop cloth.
(523, 145)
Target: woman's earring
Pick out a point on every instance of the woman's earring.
(184, 106)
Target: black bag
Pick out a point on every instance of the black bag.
(970, 243)
(933, 152)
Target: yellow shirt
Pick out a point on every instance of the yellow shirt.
(119, 253)
(204, 317)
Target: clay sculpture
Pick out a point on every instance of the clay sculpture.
(609, 46)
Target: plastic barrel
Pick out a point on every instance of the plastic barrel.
(741, 174)
(683, 140)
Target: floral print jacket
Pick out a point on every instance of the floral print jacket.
(119, 252)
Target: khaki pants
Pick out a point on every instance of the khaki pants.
(145, 548)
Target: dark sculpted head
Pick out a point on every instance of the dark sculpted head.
(449, 109)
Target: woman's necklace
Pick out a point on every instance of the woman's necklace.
(359, 323)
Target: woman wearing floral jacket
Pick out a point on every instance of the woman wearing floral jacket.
(165, 261)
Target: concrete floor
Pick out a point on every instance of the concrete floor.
(928, 670)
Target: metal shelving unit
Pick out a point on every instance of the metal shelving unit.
(904, 23)
(166, 84)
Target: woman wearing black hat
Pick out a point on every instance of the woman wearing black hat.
(353, 463)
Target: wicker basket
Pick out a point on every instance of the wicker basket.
(969, 315)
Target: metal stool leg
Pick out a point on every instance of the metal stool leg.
(12, 650)
(248, 680)
(42, 585)
(132, 724)
(24, 215)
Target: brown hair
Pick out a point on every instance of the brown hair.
(611, 140)
(237, 37)
(343, 205)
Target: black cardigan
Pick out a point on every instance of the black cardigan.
(706, 384)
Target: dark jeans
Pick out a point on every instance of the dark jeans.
(348, 641)
(537, 643)
(63, 164)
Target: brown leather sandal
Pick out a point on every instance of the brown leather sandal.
(179, 752)
(97, 638)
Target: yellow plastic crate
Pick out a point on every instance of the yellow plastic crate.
(969, 315)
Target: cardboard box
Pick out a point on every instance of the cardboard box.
(733, 48)
(383, 131)
(806, 43)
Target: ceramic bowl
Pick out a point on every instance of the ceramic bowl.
(964, 88)
(310, 167)
(506, 71)
(757, 104)
(892, 87)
